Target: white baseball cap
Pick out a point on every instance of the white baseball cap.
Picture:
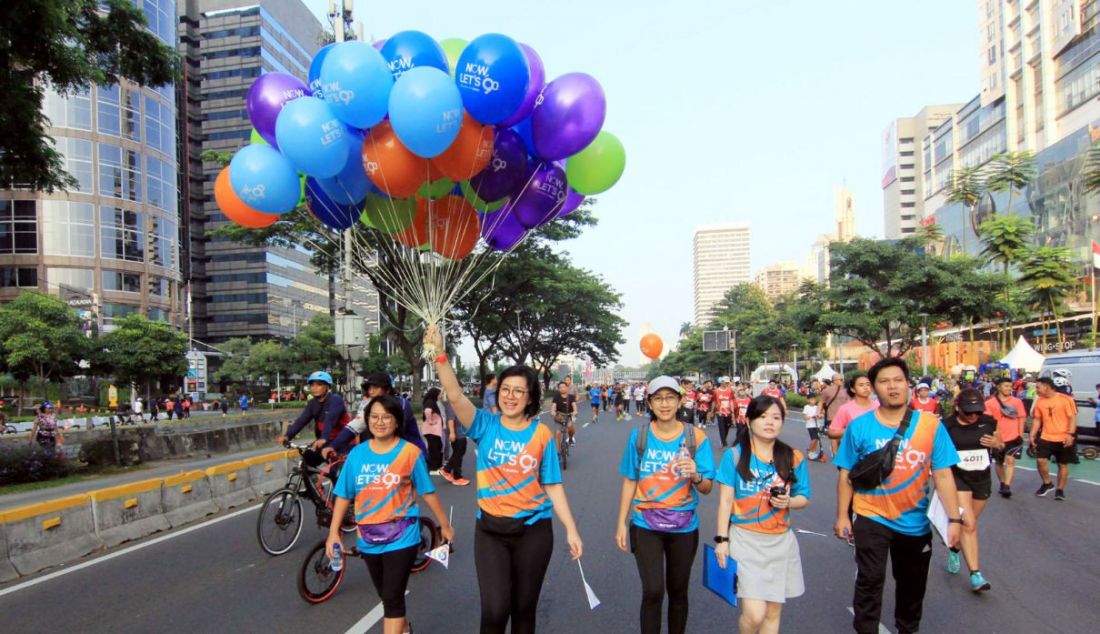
(662, 382)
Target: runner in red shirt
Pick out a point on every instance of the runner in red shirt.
(703, 400)
(741, 411)
(687, 406)
(723, 406)
(773, 391)
(922, 402)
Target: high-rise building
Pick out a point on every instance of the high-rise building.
(903, 164)
(111, 244)
(721, 256)
(239, 290)
(816, 268)
(776, 280)
(844, 213)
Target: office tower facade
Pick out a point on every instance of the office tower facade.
(721, 255)
(110, 246)
(240, 290)
(779, 279)
(903, 164)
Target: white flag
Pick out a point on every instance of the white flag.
(593, 601)
(441, 554)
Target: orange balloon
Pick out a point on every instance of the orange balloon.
(390, 165)
(453, 227)
(416, 234)
(235, 209)
(652, 346)
(469, 154)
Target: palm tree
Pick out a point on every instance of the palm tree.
(1048, 275)
(1005, 238)
(931, 235)
(685, 329)
(967, 187)
(1011, 172)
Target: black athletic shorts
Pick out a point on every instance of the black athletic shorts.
(813, 432)
(1012, 448)
(1045, 449)
(977, 482)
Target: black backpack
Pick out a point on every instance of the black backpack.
(642, 437)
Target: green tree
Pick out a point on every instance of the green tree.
(235, 369)
(40, 337)
(315, 349)
(143, 352)
(1010, 172)
(268, 361)
(967, 187)
(66, 45)
(1048, 275)
(1005, 237)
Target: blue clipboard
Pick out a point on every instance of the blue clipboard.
(720, 581)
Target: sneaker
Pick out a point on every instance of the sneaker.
(460, 482)
(978, 583)
(1044, 489)
(446, 475)
(1005, 491)
(1059, 495)
(954, 563)
(434, 473)
(572, 442)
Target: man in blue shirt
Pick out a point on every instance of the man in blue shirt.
(489, 396)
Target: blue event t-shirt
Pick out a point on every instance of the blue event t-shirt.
(901, 502)
(594, 395)
(381, 487)
(751, 509)
(657, 486)
(489, 399)
(513, 466)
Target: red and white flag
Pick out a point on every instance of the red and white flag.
(1095, 255)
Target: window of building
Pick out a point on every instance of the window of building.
(906, 179)
(905, 154)
(122, 281)
(18, 277)
(227, 114)
(130, 113)
(248, 51)
(72, 111)
(908, 192)
(107, 114)
(119, 172)
(111, 312)
(164, 238)
(907, 217)
(253, 71)
(18, 227)
(77, 278)
(160, 16)
(121, 234)
(160, 286)
(68, 228)
(244, 31)
(908, 230)
(1079, 85)
(225, 94)
(157, 314)
(1038, 83)
(227, 298)
(78, 162)
(908, 205)
(160, 126)
(225, 135)
(160, 184)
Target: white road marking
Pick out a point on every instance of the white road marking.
(881, 628)
(586, 424)
(124, 551)
(369, 620)
(1082, 480)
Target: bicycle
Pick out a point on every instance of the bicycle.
(563, 440)
(281, 517)
(317, 581)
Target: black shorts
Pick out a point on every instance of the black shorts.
(813, 432)
(978, 483)
(1012, 448)
(1045, 449)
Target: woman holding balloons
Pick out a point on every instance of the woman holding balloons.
(519, 488)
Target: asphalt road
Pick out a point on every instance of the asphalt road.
(1040, 556)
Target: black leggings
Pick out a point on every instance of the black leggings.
(390, 574)
(510, 570)
(725, 422)
(435, 451)
(664, 561)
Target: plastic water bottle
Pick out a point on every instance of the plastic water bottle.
(337, 562)
(682, 454)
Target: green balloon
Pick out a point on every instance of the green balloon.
(436, 190)
(256, 139)
(365, 219)
(389, 215)
(302, 184)
(481, 205)
(452, 47)
(597, 167)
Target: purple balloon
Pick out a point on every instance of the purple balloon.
(534, 87)
(569, 117)
(379, 44)
(266, 98)
(572, 201)
(501, 230)
(507, 169)
(541, 197)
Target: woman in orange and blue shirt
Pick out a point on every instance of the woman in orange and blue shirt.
(761, 479)
(519, 487)
(661, 486)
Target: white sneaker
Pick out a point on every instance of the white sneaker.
(434, 473)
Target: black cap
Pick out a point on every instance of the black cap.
(969, 401)
(379, 379)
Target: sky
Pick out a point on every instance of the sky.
(730, 111)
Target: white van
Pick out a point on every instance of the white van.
(1084, 368)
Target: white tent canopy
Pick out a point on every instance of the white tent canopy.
(1023, 357)
(769, 371)
(825, 373)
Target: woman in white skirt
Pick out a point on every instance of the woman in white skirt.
(761, 479)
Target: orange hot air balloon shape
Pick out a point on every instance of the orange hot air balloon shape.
(652, 346)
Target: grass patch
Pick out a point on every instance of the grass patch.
(83, 475)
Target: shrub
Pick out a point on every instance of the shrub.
(795, 401)
(30, 463)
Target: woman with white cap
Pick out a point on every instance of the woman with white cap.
(666, 464)
(922, 402)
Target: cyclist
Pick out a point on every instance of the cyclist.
(563, 408)
(329, 415)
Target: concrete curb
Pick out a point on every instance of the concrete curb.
(229, 485)
(7, 571)
(50, 533)
(186, 498)
(128, 511)
(267, 473)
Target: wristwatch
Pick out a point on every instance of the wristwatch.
(719, 539)
(697, 481)
(954, 520)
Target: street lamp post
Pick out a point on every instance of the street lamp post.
(924, 344)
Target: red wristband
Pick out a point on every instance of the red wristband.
(441, 358)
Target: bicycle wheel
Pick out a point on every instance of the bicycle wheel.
(316, 579)
(563, 452)
(429, 539)
(280, 522)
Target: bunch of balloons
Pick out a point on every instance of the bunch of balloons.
(438, 145)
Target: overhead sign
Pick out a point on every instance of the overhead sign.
(716, 341)
(196, 371)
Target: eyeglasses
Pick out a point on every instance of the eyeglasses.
(517, 392)
(668, 398)
(386, 418)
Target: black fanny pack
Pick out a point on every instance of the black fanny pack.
(873, 469)
(503, 526)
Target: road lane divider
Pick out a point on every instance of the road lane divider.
(129, 511)
(268, 472)
(37, 536)
(229, 484)
(186, 498)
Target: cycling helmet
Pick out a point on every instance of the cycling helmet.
(47, 405)
(1060, 381)
(320, 375)
(1062, 372)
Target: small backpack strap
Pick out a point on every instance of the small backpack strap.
(640, 439)
(689, 439)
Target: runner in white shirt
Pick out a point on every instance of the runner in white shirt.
(810, 414)
(639, 398)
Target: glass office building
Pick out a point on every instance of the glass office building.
(114, 240)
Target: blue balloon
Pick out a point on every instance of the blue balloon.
(327, 210)
(411, 49)
(314, 76)
(523, 129)
(351, 185)
(264, 179)
(426, 111)
(311, 137)
(493, 74)
(357, 83)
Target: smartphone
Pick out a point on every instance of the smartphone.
(777, 491)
